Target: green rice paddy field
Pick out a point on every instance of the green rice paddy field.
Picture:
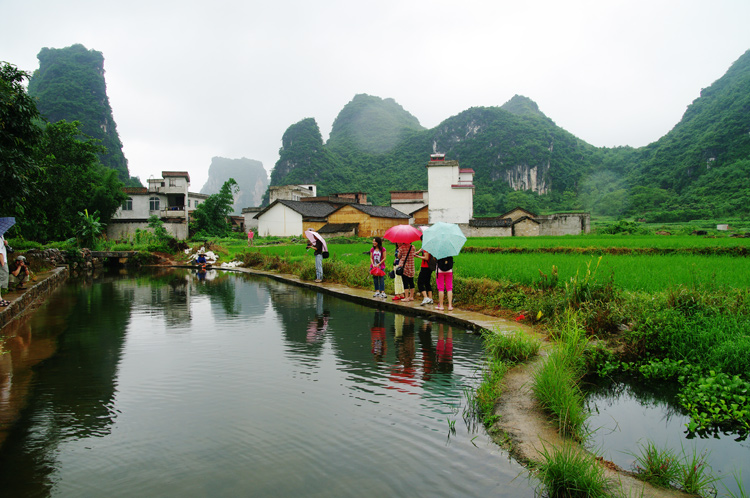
(652, 272)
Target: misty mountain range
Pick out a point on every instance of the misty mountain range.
(700, 169)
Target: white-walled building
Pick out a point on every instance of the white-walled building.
(451, 191)
(283, 218)
(291, 192)
(167, 197)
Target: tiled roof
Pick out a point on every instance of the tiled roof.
(380, 211)
(524, 218)
(490, 222)
(135, 190)
(306, 209)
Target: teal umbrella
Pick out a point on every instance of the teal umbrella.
(443, 240)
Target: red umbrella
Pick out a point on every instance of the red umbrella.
(403, 233)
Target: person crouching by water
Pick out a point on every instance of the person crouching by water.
(444, 282)
(19, 273)
(406, 261)
(377, 266)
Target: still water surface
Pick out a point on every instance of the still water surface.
(164, 385)
(625, 416)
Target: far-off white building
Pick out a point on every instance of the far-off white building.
(167, 198)
(451, 191)
(291, 192)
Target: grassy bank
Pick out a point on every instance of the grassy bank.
(702, 326)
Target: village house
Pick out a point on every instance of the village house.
(408, 201)
(451, 191)
(291, 192)
(283, 218)
(168, 198)
(371, 221)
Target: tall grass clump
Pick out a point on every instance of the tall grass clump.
(488, 392)
(556, 383)
(513, 347)
(571, 473)
(662, 467)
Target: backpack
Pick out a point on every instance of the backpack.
(432, 263)
(445, 264)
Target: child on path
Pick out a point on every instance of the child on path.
(377, 266)
(407, 263)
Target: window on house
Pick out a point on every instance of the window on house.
(173, 182)
(153, 203)
(128, 204)
(188, 202)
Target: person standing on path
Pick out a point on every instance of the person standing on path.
(398, 283)
(4, 271)
(444, 282)
(425, 276)
(318, 245)
(407, 263)
(250, 236)
(377, 266)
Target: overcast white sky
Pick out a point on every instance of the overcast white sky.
(191, 80)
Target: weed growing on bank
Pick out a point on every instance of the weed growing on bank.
(572, 473)
(556, 384)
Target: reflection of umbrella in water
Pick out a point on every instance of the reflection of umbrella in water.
(403, 233)
(6, 223)
(443, 240)
(312, 236)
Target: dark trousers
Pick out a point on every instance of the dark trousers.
(423, 281)
(408, 282)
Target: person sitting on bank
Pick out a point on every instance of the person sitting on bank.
(19, 273)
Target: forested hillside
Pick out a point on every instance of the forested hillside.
(521, 157)
(69, 85)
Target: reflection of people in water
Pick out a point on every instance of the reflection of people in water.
(428, 350)
(377, 336)
(317, 328)
(445, 350)
(404, 372)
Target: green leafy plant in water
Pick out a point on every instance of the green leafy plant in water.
(719, 400)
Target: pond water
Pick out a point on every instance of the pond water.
(236, 385)
(625, 415)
